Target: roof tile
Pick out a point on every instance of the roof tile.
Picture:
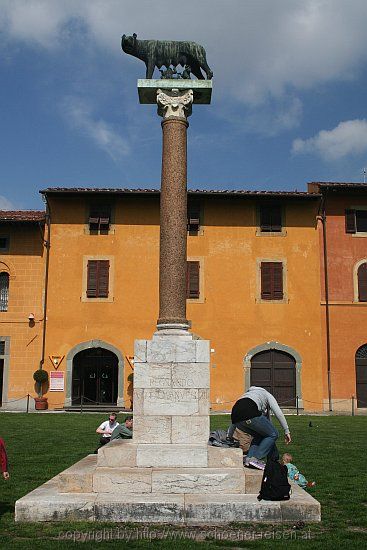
(124, 191)
(22, 216)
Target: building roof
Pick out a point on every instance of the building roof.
(34, 216)
(210, 192)
(337, 186)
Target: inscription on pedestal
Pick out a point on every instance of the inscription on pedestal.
(172, 398)
(190, 375)
(171, 401)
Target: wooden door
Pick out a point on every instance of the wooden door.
(275, 371)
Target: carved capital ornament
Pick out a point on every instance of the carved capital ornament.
(174, 103)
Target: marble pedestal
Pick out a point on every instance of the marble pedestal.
(167, 473)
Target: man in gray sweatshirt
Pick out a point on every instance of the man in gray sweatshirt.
(123, 431)
(250, 414)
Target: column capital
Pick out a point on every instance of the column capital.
(175, 103)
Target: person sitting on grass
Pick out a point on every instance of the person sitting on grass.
(123, 431)
(106, 429)
(294, 474)
(3, 460)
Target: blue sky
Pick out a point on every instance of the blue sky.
(288, 106)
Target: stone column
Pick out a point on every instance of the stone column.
(174, 106)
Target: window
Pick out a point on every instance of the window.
(193, 280)
(356, 221)
(193, 217)
(4, 243)
(362, 282)
(97, 278)
(271, 280)
(4, 291)
(99, 220)
(270, 218)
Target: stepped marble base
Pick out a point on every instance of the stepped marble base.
(193, 496)
(167, 473)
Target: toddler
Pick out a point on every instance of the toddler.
(294, 474)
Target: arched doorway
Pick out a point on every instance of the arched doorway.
(95, 377)
(275, 371)
(361, 376)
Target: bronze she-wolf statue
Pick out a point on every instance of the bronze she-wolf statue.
(165, 53)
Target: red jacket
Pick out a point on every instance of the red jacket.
(3, 457)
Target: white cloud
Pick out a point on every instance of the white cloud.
(256, 49)
(270, 119)
(35, 21)
(79, 115)
(5, 204)
(348, 138)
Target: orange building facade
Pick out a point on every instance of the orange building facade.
(22, 276)
(255, 290)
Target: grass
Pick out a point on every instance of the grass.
(332, 451)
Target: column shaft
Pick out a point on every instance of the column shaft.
(173, 224)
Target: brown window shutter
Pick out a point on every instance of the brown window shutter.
(98, 278)
(270, 217)
(350, 221)
(266, 281)
(276, 221)
(94, 221)
(265, 218)
(271, 281)
(361, 221)
(362, 283)
(193, 280)
(103, 278)
(92, 279)
(277, 281)
(193, 217)
(104, 219)
(99, 218)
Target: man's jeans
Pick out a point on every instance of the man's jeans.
(264, 435)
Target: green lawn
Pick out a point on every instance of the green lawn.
(332, 451)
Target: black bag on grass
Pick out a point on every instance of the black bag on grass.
(274, 485)
(218, 438)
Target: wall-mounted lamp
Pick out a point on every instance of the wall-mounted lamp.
(31, 317)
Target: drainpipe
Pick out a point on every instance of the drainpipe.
(46, 243)
(326, 283)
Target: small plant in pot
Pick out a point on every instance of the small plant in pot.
(130, 388)
(40, 376)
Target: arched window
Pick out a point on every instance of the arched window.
(362, 282)
(4, 291)
(361, 376)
